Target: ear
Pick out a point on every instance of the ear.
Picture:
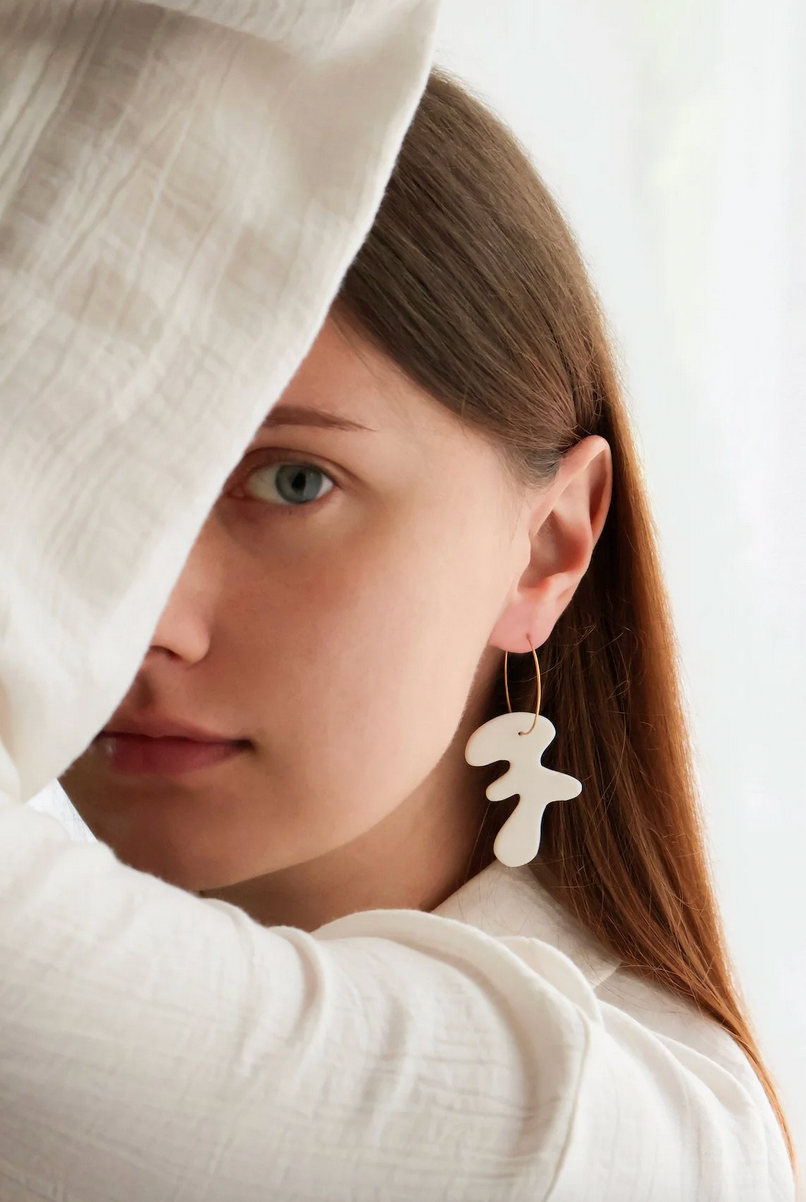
(560, 528)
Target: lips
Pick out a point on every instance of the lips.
(163, 728)
(163, 747)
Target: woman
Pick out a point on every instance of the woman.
(361, 1000)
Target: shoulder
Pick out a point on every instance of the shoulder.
(614, 1074)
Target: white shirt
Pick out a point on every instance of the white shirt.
(159, 1047)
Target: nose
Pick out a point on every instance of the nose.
(185, 627)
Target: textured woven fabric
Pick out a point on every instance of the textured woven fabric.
(181, 191)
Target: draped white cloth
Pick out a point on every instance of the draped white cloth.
(181, 192)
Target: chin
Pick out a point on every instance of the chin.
(185, 867)
(180, 848)
(183, 854)
(187, 838)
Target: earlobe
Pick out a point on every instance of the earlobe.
(525, 623)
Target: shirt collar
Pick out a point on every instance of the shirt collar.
(511, 902)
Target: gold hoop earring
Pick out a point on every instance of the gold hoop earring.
(506, 686)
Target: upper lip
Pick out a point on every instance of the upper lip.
(163, 728)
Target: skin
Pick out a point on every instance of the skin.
(354, 641)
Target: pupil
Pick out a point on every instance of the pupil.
(298, 484)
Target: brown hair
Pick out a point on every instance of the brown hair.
(471, 281)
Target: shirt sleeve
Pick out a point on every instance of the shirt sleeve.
(181, 192)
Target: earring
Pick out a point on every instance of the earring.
(503, 738)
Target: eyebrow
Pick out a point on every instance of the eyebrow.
(297, 415)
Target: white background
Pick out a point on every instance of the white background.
(673, 133)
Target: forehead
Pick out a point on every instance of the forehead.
(345, 377)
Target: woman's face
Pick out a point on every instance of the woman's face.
(334, 614)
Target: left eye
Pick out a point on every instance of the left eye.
(288, 483)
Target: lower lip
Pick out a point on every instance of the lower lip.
(133, 754)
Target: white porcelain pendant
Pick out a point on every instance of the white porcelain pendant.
(518, 840)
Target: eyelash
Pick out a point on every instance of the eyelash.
(263, 460)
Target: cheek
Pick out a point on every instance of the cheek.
(350, 670)
(366, 662)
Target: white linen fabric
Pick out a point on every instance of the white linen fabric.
(181, 191)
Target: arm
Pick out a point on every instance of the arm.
(158, 1047)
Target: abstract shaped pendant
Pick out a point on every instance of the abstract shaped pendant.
(504, 738)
